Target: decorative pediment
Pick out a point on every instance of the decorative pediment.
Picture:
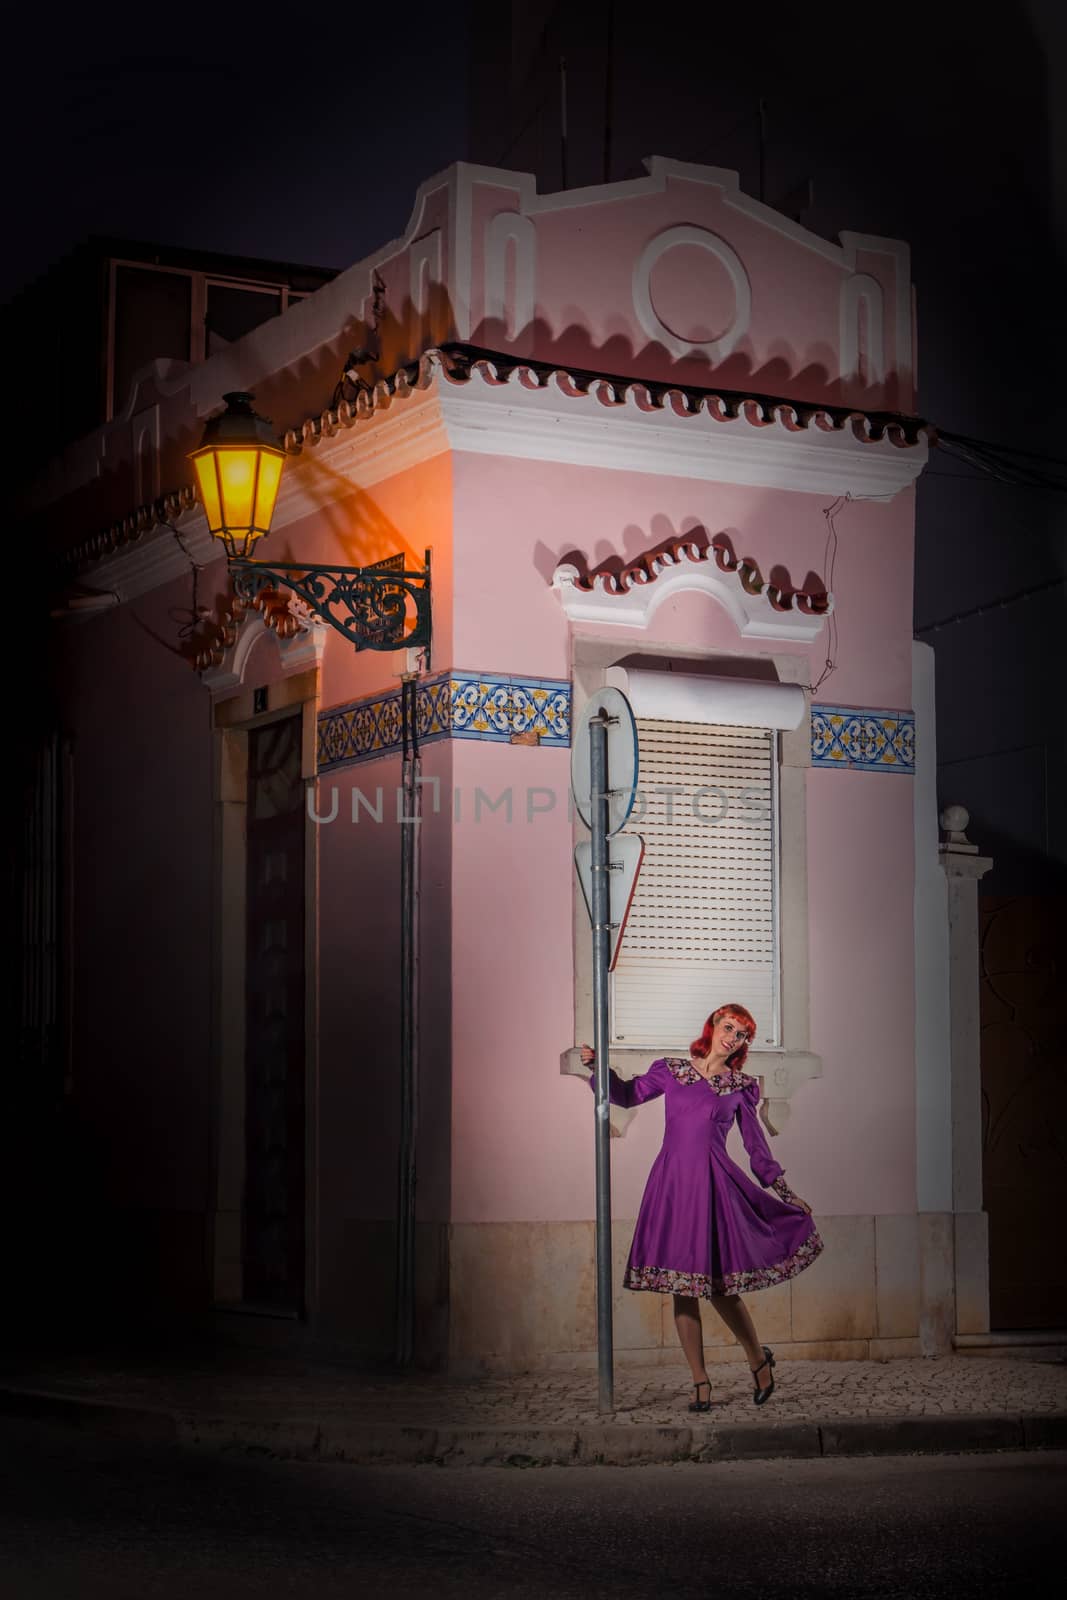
(220, 652)
(631, 596)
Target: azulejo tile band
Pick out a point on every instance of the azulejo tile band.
(492, 707)
(457, 705)
(867, 741)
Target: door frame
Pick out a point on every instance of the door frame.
(232, 721)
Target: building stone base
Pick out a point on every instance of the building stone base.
(522, 1296)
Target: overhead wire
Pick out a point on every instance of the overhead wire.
(196, 613)
(997, 461)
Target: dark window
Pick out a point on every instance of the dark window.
(152, 320)
(233, 311)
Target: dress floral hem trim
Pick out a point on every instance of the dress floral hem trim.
(664, 1280)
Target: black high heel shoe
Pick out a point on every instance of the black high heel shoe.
(698, 1404)
(761, 1395)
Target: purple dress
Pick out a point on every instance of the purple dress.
(704, 1227)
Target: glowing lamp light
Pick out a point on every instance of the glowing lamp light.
(238, 469)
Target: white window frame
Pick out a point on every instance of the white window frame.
(784, 1068)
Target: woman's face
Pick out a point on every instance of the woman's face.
(727, 1035)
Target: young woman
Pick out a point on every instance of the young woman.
(704, 1229)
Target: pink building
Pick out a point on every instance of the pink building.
(652, 434)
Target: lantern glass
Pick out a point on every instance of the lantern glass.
(238, 471)
(207, 481)
(270, 472)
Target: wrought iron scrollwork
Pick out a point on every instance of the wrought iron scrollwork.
(382, 607)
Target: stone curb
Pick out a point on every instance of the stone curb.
(98, 1416)
(867, 1436)
(516, 1445)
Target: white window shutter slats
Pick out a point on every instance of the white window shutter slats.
(703, 926)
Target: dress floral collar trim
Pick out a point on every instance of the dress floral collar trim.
(726, 1083)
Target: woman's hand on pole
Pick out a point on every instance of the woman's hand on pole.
(588, 1055)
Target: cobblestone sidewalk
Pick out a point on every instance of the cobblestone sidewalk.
(807, 1391)
(320, 1412)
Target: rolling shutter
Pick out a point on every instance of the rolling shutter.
(703, 926)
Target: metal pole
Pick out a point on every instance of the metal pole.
(608, 74)
(405, 1221)
(762, 144)
(562, 123)
(598, 764)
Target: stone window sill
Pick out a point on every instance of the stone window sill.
(781, 1073)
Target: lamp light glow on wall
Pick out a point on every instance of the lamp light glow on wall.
(238, 472)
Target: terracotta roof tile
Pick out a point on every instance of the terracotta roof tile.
(458, 364)
(611, 579)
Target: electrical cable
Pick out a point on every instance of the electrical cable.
(197, 613)
(994, 462)
(829, 560)
(1008, 449)
(830, 512)
(992, 605)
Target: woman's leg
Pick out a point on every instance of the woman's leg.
(735, 1314)
(691, 1335)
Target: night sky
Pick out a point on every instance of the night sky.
(296, 135)
(301, 134)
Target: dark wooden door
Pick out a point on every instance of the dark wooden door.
(275, 1021)
(1024, 1079)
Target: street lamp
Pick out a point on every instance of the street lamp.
(238, 469)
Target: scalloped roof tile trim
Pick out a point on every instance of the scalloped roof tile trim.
(647, 568)
(219, 633)
(457, 364)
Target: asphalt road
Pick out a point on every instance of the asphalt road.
(82, 1517)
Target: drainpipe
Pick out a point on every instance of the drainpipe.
(409, 1030)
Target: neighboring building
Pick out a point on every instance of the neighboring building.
(651, 433)
(113, 307)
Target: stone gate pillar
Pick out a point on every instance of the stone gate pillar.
(964, 868)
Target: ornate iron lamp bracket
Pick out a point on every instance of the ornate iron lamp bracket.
(370, 606)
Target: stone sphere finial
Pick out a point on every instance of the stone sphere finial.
(954, 820)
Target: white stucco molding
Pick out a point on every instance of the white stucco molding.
(298, 654)
(866, 365)
(317, 321)
(753, 615)
(664, 170)
(634, 436)
(933, 1033)
(487, 416)
(156, 559)
(510, 231)
(652, 323)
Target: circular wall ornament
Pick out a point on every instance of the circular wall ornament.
(653, 325)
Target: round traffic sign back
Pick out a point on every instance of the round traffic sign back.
(622, 758)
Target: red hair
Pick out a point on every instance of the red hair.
(702, 1046)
